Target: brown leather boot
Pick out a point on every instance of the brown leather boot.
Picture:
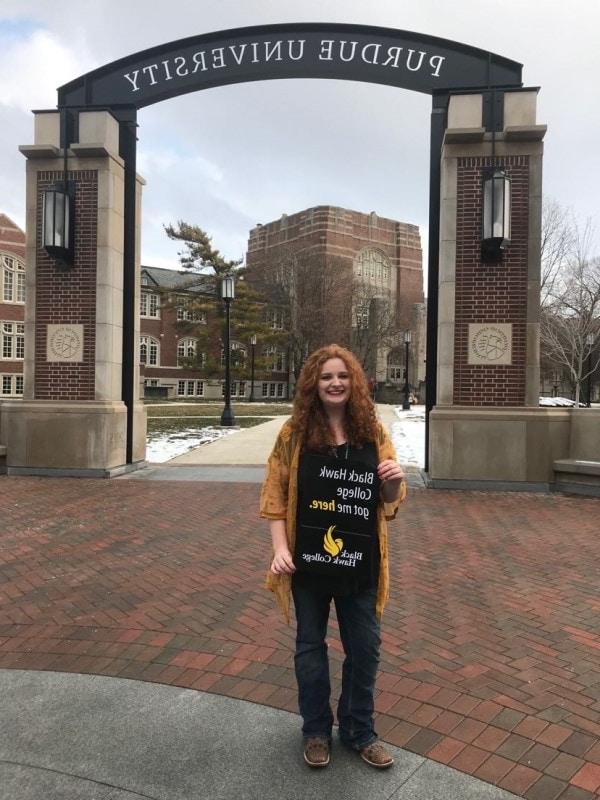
(317, 751)
(377, 755)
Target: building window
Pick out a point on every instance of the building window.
(186, 348)
(190, 388)
(187, 313)
(13, 279)
(362, 316)
(238, 354)
(238, 388)
(273, 390)
(149, 351)
(275, 359)
(12, 385)
(373, 266)
(149, 305)
(275, 318)
(395, 366)
(13, 340)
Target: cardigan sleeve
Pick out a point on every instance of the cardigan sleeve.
(274, 492)
(386, 450)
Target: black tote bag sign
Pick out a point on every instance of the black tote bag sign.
(337, 517)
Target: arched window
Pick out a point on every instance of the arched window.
(238, 354)
(186, 348)
(395, 365)
(373, 266)
(149, 351)
(12, 279)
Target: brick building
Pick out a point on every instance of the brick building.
(12, 308)
(349, 277)
(181, 351)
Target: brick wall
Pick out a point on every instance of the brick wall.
(490, 292)
(68, 297)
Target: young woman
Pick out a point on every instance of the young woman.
(333, 423)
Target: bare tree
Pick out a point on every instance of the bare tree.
(374, 323)
(570, 321)
(315, 295)
(557, 243)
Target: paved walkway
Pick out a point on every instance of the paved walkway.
(490, 674)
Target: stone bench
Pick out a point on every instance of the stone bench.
(577, 476)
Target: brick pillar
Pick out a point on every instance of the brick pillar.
(487, 428)
(72, 419)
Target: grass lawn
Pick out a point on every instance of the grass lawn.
(214, 410)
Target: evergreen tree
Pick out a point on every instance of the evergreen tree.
(205, 314)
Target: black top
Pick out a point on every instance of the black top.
(332, 584)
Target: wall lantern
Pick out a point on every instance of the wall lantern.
(57, 226)
(496, 214)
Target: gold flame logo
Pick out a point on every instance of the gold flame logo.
(331, 545)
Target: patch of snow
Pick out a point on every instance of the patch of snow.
(408, 435)
(558, 401)
(162, 446)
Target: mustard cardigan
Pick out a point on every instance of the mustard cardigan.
(279, 497)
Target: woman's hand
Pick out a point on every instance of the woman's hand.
(391, 475)
(282, 563)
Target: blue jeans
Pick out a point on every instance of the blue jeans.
(359, 632)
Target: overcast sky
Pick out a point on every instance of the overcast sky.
(230, 157)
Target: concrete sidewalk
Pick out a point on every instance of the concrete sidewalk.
(80, 736)
(241, 457)
(249, 446)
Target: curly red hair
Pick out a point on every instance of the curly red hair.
(309, 419)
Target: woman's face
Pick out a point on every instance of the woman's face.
(334, 384)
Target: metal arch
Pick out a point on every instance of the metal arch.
(239, 55)
(386, 56)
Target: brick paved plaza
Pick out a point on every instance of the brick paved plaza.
(491, 656)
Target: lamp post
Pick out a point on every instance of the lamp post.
(589, 340)
(407, 338)
(227, 294)
(252, 345)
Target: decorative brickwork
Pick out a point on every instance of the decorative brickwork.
(68, 297)
(488, 293)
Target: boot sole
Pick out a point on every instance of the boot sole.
(387, 765)
(317, 764)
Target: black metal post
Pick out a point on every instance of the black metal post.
(438, 126)
(252, 345)
(127, 150)
(589, 379)
(406, 403)
(227, 418)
